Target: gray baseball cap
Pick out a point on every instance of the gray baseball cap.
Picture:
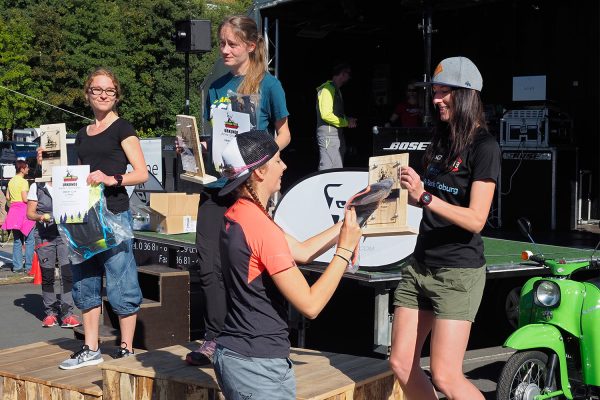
(457, 72)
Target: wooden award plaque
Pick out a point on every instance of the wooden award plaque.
(390, 218)
(191, 155)
(53, 138)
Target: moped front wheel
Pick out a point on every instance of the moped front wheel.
(524, 376)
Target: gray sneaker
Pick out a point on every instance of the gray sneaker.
(83, 358)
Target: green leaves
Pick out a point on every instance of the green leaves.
(47, 48)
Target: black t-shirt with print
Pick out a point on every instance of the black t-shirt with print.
(441, 243)
(104, 152)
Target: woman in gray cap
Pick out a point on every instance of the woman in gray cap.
(442, 285)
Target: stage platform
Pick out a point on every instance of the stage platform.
(31, 372)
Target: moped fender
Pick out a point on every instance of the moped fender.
(543, 336)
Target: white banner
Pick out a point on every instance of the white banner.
(152, 149)
(317, 202)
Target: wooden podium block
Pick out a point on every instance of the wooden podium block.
(390, 218)
(191, 155)
(53, 138)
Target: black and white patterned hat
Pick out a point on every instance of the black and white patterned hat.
(245, 153)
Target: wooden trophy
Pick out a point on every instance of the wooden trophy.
(191, 156)
(390, 218)
(53, 138)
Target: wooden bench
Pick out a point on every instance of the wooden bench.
(31, 372)
(163, 374)
(164, 316)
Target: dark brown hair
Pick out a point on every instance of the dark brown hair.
(454, 137)
(20, 165)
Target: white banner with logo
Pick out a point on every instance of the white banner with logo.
(317, 202)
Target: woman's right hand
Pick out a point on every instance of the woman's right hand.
(411, 181)
(39, 155)
(350, 233)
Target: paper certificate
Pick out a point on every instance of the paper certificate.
(226, 125)
(70, 193)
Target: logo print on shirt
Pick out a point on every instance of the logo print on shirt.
(438, 157)
(456, 164)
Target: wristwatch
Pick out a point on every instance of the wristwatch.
(425, 199)
(119, 179)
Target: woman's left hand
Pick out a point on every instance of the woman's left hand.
(411, 181)
(97, 177)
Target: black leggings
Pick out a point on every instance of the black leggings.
(208, 229)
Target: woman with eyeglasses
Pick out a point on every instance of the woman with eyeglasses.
(442, 285)
(244, 53)
(107, 145)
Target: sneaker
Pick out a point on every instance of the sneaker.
(70, 322)
(123, 352)
(49, 321)
(202, 355)
(83, 358)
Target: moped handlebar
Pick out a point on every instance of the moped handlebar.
(538, 258)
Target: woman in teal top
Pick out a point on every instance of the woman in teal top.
(244, 53)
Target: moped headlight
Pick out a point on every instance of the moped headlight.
(547, 294)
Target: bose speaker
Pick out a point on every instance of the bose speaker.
(192, 36)
(538, 184)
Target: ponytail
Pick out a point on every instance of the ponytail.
(246, 29)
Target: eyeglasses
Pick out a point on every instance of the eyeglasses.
(96, 91)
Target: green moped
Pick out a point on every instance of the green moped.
(558, 338)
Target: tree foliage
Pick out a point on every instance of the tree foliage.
(48, 47)
(15, 73)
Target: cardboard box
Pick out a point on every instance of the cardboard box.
(172, 213)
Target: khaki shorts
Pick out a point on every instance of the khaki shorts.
(451, 293)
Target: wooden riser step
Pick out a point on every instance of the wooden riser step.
(31, 372)
(162, 374)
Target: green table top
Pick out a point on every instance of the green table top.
(182, 239)
(502, 256)
(500, 251)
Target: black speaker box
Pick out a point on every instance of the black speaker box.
(192, 36)
(413, 141)
(538, 184)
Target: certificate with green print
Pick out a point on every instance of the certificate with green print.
(71, 193)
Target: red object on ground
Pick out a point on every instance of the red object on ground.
(36, 271)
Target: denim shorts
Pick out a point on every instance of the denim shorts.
(242, 377)
(122, 286)
(450, 292)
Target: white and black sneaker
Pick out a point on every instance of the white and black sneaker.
(82, 358)
(123, 352)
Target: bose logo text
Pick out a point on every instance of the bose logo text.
(407, 146)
